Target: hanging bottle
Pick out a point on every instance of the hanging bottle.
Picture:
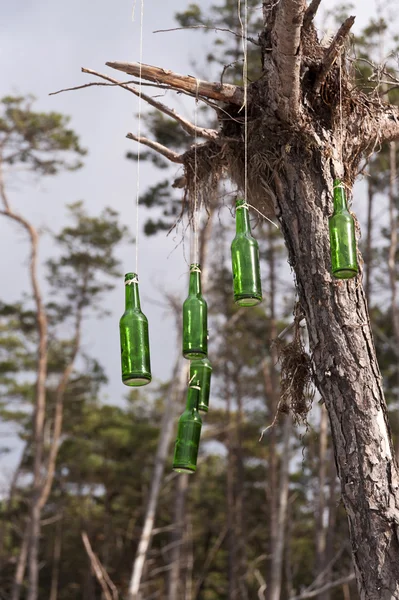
(245, 260)
(201, 371)
(188, 434)
(342, 236)
(133, 328)
(195, 318)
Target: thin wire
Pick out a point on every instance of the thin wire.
(195, 257)
(139, 131)
(244, 41)
(340, 113)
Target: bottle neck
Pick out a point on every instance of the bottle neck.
(192, 397)
(132, 298)
(242, 220)
(339, 197)
(195, 283)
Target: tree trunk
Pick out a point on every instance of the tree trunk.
(321, 529)
(176, 538)
(368, 256)
(346, 374)
(55, 574)
(178, 383)
(21, 565)
(278, 552)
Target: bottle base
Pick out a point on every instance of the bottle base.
(203, 408)
(136, 380)
(247, 300)
(344, 273)
(184, 469)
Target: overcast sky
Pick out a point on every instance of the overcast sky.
(43, 45)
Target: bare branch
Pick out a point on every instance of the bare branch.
(169, 154)
(231, 94)
(250, 39)
(99, 570)
(287, 54)
(99, 83)
(311, 13)
(336, 48)
(325, 588)
(186, 125)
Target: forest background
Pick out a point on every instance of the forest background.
(42, 50)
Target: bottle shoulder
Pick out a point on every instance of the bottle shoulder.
(133, 314)
(244, 240)
(342, 216)
(194, 299)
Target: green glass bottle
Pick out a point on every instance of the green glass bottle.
(195, 318)
(188, 434)
(245, 260)
(133, 328)
(342, 237)
(201, 371)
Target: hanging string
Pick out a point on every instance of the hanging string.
(139, 128)
(247, 205)
(340, 114)
(244, 41)
(194, 243)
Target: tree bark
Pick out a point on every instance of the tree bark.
(346, 374)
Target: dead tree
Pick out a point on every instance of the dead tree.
(298, 113)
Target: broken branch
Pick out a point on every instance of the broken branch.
(226, 92)
(287, 54)
(169, 154)
(186, 125)
(336, 48)
(311, 13)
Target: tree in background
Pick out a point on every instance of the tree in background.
(42, 144)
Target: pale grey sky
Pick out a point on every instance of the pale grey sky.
(43, 45)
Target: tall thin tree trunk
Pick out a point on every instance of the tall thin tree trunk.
(321, 530)
(21, 565)
(175, 394)
(40, 393)
(176, 538)
(368, 257)
(278, 553)
(239, 499)
(56, 561)
(230, 500)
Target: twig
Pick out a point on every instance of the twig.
(186, 125)
(99, 571)
(169, 154)
(229, 93)
(250, 39)
(325, 588)
(336, 48)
